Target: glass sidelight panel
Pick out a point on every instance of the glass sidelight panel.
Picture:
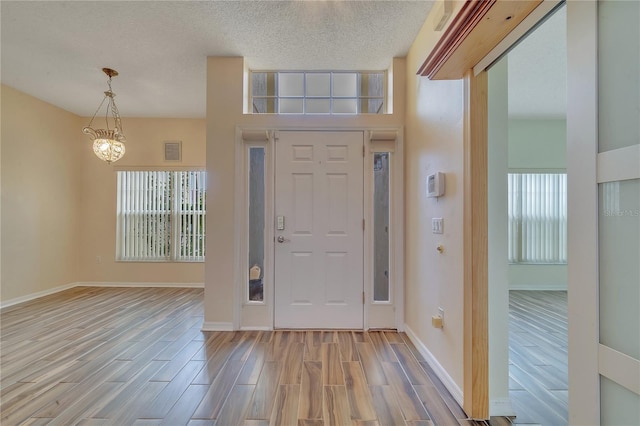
(620, 406)
(619, 201)
(618, 74)
(256, 223)
(619, 245)
(381, 173)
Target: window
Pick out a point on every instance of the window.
(161, 216)
(537, 217)
(256, 169)
(318, 92)
(381, 180)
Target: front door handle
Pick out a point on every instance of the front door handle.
(282, 239)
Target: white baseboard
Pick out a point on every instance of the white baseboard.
(58, 289)
(546, 287)
(32, 296)
(138, 284)
(256, 328)
(442, 374)
(217, 326)
(501, 407)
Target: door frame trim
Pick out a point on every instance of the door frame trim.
(582, 213)
(476, 327)
(261, 315)
(476, 288)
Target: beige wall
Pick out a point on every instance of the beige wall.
(434, 142)
(40, 196)
(225, 96)
(59, 200)
(145, 149)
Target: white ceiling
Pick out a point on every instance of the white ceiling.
(54, 50)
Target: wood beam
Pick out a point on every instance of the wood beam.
(476, 322)
(475, 30)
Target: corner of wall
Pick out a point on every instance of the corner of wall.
(440, 371)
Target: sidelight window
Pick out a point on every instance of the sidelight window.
(381, 175)
(256, 168)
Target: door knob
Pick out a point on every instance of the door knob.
(282, 239)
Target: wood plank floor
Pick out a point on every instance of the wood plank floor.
(538, 357)
(120, 356)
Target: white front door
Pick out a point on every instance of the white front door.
(319, 230)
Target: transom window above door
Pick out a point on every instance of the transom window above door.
(318, 92)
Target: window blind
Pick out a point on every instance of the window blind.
(161, 215)
(190, 211)
(537, 210)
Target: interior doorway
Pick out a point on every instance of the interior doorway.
(527, 227)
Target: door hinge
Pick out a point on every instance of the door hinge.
(363, 297)
(363, 224)
(363, 150)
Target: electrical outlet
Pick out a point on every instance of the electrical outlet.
(98, 259)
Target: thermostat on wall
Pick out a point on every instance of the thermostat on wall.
(435, 185)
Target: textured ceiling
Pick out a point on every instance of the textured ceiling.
(54, 50)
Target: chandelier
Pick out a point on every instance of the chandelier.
(108, 143)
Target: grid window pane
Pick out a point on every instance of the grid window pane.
(345, 85)
(291, 84)
(318, 106)
(265, 105)
(372, 84)
(259, 83)
(345, 106)
(291, 106)
(371, 106)
(332, 92)
(318, 84)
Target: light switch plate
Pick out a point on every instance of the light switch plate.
(437, 225)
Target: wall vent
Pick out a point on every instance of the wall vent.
(173, 151)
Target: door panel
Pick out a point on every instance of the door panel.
(619, 211)
(603, 168)
(319, 253)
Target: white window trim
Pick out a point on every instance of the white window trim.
(386, 140)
